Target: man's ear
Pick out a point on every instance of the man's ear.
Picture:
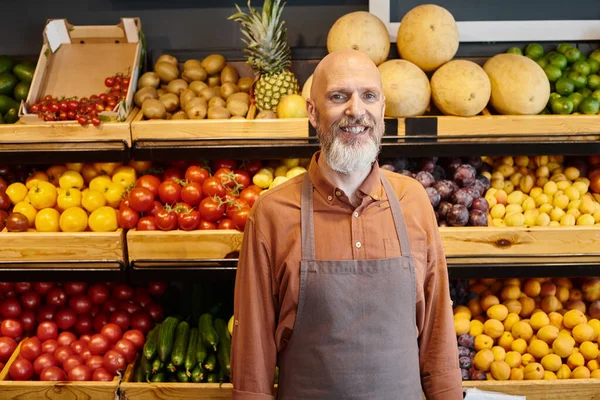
(312, 112)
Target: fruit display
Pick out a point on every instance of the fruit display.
(15, 81)
(75, 331)
(573, 77)
(414, 99)
(544, 191)
(528, 329)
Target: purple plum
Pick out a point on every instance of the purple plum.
(463, 196)
(458, 215)
(465, 175)
(434, 196)
(425, 178)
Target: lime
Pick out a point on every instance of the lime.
(534, 51)
(565, 86)
(573, 55)
(589, 105)
(7, 83)
(558, 60)
(586, 92)
(11, 116)
(576, 98)
(21, 91)
(596, 95)
(514, 50)
(554, 95)
(542, 62)
(563, 47)
(552, 72)
(593, 82)
(582, 67)
(578, 78)
(594, 65)
(562, 106)
(595, 55)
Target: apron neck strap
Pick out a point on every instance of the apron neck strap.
(401, 230)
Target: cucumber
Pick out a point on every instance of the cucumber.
(182, 376)
(190, 353)
(157, 366)
(213, 377)
(170, 367)
(149, 350)
(224, 351)
(182, 334)
(138, 375)
(166, 338)
(197, 374)
(171, 378)
(201, 350)
(158, 377)
(210, 364)
(209, 335)
(145, 367)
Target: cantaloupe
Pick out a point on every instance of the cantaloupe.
(460, 87)
(362, 31)
(519, 85)
(406, 88)
(427, 37)
(306, 88)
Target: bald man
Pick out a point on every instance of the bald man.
(342, 279)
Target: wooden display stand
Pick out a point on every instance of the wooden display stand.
(575, 389)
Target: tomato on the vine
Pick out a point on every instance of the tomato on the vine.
(149, 182)
(147, 223)
(250, 196)
(242, 178)
(127, 217)
(234, 206)
(217, 164)
(188, 220)
(225, 223)
(141, 199)
(155, 208)
(211, 209)
(225, 176)
(169, 192)
(194, 173)
(192, 193)
(166, 219)
(173, 174)
(253, 166)
(241, 217)
(213, 187)
(180, 164)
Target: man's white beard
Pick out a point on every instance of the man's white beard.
(356, 155)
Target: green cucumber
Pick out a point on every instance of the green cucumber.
(197, 374)
(166, 338)
(208, 333)
(190, 353)
(157, 366)
(149, 350)
(182, 334)
(145, 366)
(210, 364)
(201, 350)
(170, 367)
(182, 376)
(224, 351)
(213, 377)
(158, 377)
(138, 375)
(172, 378)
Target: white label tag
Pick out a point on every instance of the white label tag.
(476, 394)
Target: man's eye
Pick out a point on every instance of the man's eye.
(337, 96)
(370, 96)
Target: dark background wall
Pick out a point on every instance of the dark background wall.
(202, 24)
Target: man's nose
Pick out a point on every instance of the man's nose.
(355, 106)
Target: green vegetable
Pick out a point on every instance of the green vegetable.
(201, 350)
(158, 377)
(11, 116)
(149, 350)
(170, 367)
(157, 366)
(166, 337)
(182, 334)
(190, 354)
(213, 377)
(211, 362)
(197, 374)
(145, 366)
(207, 331)
(224, 351)
(182, 376)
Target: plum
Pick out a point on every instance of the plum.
(478, 189)
(451, 164)
(485, 167)
(444, 189)
(427, 165)
(465, 175)
(443, 209)
(464, 351)
(478, 218)
(480, 204)
(425, 178)
(463, 196)
(465, 362)
(434, 196)
(474, 161)
(453, 185)
(439, 173)
(400, 164)
(478, 376)
(465, 375)
(467, 341)
(405, 172)
(485, 181)
(458, 215)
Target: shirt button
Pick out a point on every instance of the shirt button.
(355, 214)
(236, 322)
(338, 193)
(358, 245)
(329, 198)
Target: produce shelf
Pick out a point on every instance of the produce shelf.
(168, 391)
(579, 389)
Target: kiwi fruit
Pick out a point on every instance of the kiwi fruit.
(229, 74)
(228, 88)
(217, 102)
(266, 114)
(192, 63)
(162, 91)
(194, 73)
(143, 94)
(166, 71)
(171, 102)
(180, 115)
(185, 97)
(241, 96)
(149, 79)
(154, 109)
(218, 112)
(208, 93)
(196, 108)
(214, 80)
(245, 84)
(213, 64)
(177, 86)
(168, 58)
(197, 86)
(238, 107)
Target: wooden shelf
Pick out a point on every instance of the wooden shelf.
(180, 391)
(567, 389)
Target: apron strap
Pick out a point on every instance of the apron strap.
(307, 216)
(398, 216)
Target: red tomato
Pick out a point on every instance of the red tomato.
(234, 207)
(157, 288)
(79, 373)
(11, 328)
(217, 164)
(7, 347)
(110, 306)
(129, 306)
(225, 223)
(28, 321)
(21, 370)
(78, 346)
(85, 337)
(125, 201)
(122, 319)
(75, 288)
(211, 210)
(81, 304)
(192, 193)
(136, 337)
(56, 297)
(127, 217)
(155, 311)
(62, 353)
(142, 298)
(46, 313)
(101, 319)
(31, 300)
(42, 287)
(188, 220)
(44, 361)
(173, 174)
(141, 199)
(95, 362)
(149, 182)
(180, 164)
(225, 176)
(66, 338)
(127, 349)
(197, 174)
(6, 287)
(142, 321)
(72, 362)
(84, 323)
(10, 308)
(102, 375)
(98, 293)
(86, 354)
(122, 292)
(242, 178)
(52, 373)
(146, 224)
(112, 332)
(212, 187)
(47, 330)
(31, 348)
(241, 217)
(169, 192)
(166, 220)
(22, 287)
(4, 201)
(249, 196)
(253, 166)
(66, 318)
(49, 346)
(98, 344)
(155, 208)
(114, 361)
(207, 225)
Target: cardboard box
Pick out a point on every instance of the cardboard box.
(75, 61)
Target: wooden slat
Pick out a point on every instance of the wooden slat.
(61, 246)
(180, 391)
(568, 389)
(58, 390)
(4, 373)
(181, 245)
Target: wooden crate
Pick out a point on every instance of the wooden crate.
(180, 391)
(567, 389)
(182, 245)
(62, 247)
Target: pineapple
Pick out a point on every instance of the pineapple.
(268, 53)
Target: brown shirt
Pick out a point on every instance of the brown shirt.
(268, 274)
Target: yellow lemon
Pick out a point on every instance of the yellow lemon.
(573, 318)
(483, 342)
(551, 362)
(589, 350)
(483, 360)
(538, 348)
(534, 371)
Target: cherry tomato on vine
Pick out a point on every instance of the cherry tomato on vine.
(211, 210)
(241, 217)
(149, 182)
(173, 174)
(188, 220)
(225, 176)
(195, 173)
(213, 187)
(127, 217)
(166, 220)
(147, 223)
(207, 225)
(217, 164)
(169, 192)
(192, 193)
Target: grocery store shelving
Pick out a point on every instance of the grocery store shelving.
(582, 389)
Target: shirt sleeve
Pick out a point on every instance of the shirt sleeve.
(440, 372)
(253, 350)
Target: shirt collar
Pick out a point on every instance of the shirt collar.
(371, 186)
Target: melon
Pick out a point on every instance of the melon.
(306, 88)
(460, 87)
(406, 88)
(360, 31)
(519, 85)
(427, 37)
